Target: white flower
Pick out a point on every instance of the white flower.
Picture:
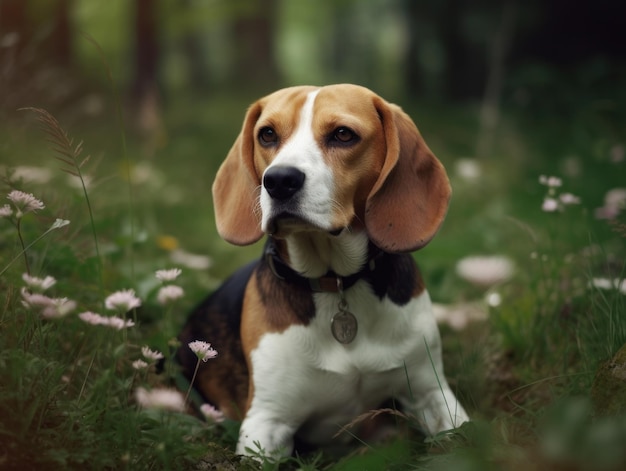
(550, 205)
(97, 319)
(51, 308)
(568, 198)
(29, 174)
(468, 169)
(169, 293)
(38, 284)
(190, 260)
(122, 301)
(493, 299)
(616, 197)
(92, 318)
(140, 365)
(614, 203)
(24, 202)
(617, 153)
(551, 182)
(152, 355)
(202, 350)
(607, 284)
(58, 223)
(485, 270)
(58, 307)
(118, 323)
(6, 211)
(163, 399)
(34, 300)
(168, 275)
(459, 316)
(211, 413)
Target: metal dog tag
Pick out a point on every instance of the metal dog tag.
(344, 326)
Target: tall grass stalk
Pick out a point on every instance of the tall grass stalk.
(127, 163)
(71, 155)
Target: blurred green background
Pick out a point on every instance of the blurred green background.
(157, 90)
(518, 88)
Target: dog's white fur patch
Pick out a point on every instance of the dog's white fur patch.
(305, 380)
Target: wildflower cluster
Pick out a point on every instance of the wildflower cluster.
(33, 297)
(168, 292)
(554, 201)
(120, 302)
(114, 322)
(149, 358)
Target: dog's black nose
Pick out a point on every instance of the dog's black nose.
(283, 182)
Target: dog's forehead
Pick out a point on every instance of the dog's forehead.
(345, 98)
(330, 101)
(286, 101)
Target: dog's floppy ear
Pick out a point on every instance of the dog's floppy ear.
(408, 202)
(236, 188)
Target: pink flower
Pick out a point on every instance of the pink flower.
(169, 293)
(6, 211)
(211, 413)
(202, 350)
(168, 275)
(568, 198)
(50, 308)
(551, 182)
(122, 301)
(190, 260)
(34, 300)
(58, 307)
(163, 399)
(614, 203)
(550, 205)
(485, 270)
(140, 365)
(24, 203)
(118, 323)
(151, 354)
(38, 284)
(92, 318)
(97, 319)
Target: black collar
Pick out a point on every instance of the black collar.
(330, 282)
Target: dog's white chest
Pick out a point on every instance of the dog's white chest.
(310, 376)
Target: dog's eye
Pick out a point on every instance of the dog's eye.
(343, 135)
(267, 136)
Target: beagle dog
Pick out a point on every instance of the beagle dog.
(334, 318)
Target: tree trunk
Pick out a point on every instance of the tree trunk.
(146, 49)
(255, 45)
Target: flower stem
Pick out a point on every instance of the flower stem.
(193, 378)
(19, 235)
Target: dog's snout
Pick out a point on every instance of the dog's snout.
(283, 182)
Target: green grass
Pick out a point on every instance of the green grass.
(67, 389)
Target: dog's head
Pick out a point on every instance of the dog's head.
(328, 159)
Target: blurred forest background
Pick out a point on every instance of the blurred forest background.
(535, 56)
(518, 88)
